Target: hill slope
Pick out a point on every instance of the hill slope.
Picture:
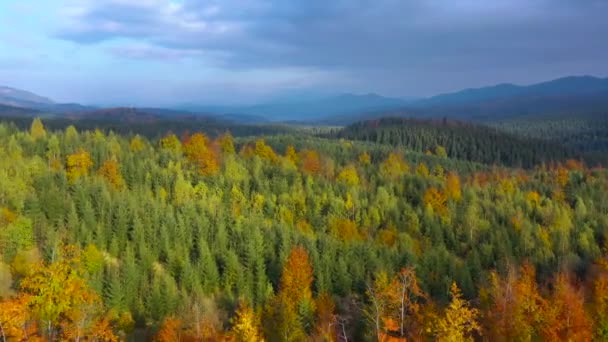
(461, 140)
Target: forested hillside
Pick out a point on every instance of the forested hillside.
(462, 140)
(584, 133)
(107, 236)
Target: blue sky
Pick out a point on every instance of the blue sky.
(165, 52)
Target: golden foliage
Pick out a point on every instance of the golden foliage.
(459, 321)
(137, 144)
(264, 151)
(297, 277)
(246, 325)
(422, 170)
(566, 319)
(436, 199)
(171, 143)
(394, 166)
(37, 130)
(344, 229)
(78, 165)
(533, 198)
(170, 330)
(226, 142)
(196, 149)
(452, 186)
(311, 163)
(292, 155)
(349, 175)
(364, 158)
(109, 170)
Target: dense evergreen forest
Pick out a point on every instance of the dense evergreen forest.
(467, 141)
(584, 133)
(418, 234)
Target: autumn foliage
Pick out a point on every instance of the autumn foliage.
(78, 165)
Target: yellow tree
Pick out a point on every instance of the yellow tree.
(459, 321)
(59, 297)
(436, 199)
(364, 158)
(291, 155)
(226, 142)
(290, 312)
(14, 318)
(109, 170)
(37, 130)
(246, 325)
(196, 149)
(422, 170)
(264, 151)
(394, 166)
(78, 165)
(452, 186)
(137, 144)
(311, 163)
(567, 319)
(170, 330)
(171, 143)
(326, 318)
(349, 175)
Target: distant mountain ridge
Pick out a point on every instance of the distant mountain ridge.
(307, 110)
(565, 86)
(563, 96)
(21, 98)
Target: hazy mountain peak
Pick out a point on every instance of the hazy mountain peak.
(21, 98)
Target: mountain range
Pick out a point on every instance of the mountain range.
(568, 95)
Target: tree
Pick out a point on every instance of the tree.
(311, 164)
(436, 199)
(137, 144)
(349, 175)
(291, 155)
(226, 142)
(441, 152)
(364, 158)
(171, 143)
(37, 130)
(264, 151)
(245, 325)
(379, 304)
(452, 186)
(422, 170)
(394, 166)
(567, 319)
(78, 165)
(297, 277)
(325, 326)
(109, 170)
(14, 318)
(170, 330)
(196, 149)
(60, 298)
(459, 321)
(290, 312)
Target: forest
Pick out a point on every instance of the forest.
(408, 233)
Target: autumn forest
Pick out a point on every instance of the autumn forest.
(383, 231)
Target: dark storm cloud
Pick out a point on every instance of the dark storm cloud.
(354, 35)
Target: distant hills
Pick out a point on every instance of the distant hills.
(567, 86)
(574, 95)
(21, 98)
(306, 111)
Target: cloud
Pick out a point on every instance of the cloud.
(372, 38)
(151, 52)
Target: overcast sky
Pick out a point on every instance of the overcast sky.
(162, 52)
